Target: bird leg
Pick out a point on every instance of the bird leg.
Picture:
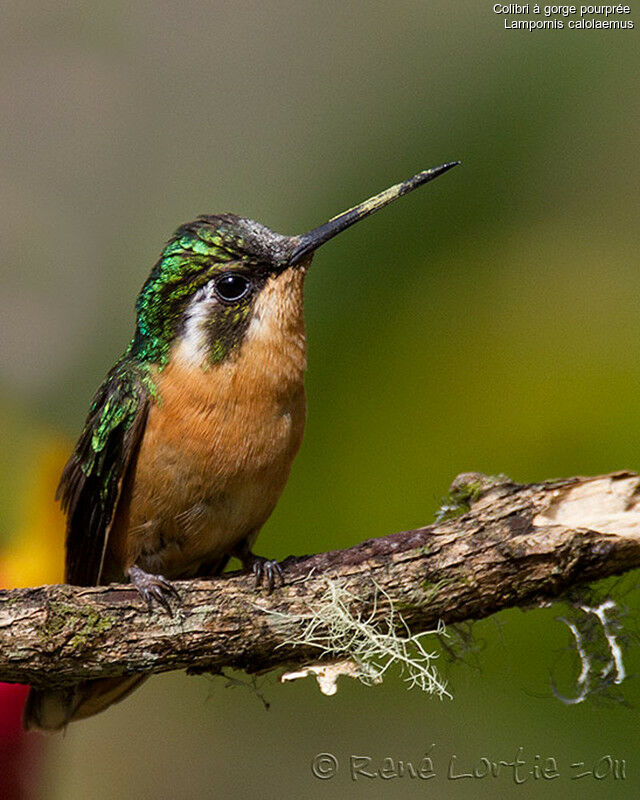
(263, 568)
(153, 587)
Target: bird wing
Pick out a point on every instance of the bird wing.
(92, 480)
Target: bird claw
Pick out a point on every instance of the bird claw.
(153, 587)
(265, 569)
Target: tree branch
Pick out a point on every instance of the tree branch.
(514, 546)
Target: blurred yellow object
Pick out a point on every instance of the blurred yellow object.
(35, 554)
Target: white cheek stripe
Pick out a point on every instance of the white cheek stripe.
(192, 347)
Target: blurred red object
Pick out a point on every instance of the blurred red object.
(12, 696)
(20, 755)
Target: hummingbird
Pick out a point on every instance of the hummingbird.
(189, 440)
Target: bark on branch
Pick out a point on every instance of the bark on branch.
(516, 545)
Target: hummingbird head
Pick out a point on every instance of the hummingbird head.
(220, 273)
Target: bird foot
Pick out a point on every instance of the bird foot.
(264, 570)
(153, 587)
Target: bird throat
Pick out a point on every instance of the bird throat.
(265, 338)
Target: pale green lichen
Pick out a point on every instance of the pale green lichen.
(87, 623)
(374, 642)
(465, 491)
(431, 589)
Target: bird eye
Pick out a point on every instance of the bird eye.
(232, 287)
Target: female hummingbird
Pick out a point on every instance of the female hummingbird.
(190, 439)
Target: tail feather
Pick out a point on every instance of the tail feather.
(53, 709)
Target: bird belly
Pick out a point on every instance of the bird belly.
(213, 461)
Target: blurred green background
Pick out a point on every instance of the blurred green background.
(488, 322)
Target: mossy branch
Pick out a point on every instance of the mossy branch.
(513, 545)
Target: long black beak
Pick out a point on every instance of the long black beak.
(308, 242)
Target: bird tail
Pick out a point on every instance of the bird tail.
(52, 710)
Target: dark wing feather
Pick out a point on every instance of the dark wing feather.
(91, 482)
